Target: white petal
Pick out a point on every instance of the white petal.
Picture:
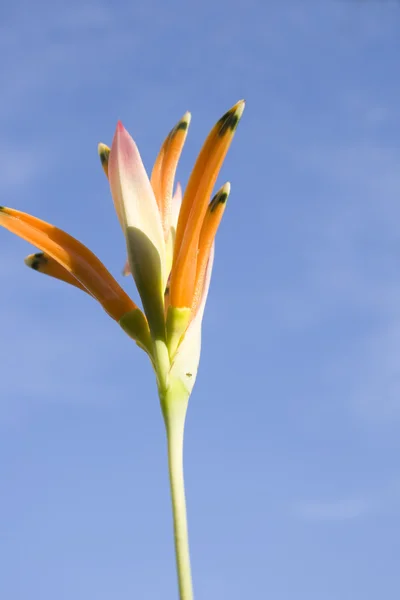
(140, 218)
(175, 208)
(176, 203)
(132, 191)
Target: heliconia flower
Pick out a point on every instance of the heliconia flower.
(170, 249)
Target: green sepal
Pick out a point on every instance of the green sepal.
(177, 322)
(134, 323)
(146, 267)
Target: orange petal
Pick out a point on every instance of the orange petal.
(176, 140)
(186, 359)
(211, 223)
(42, 262)
(78, 260)
(164, 170)
(194, 205)
(155, 178)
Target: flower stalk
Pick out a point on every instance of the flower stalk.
(174, 406)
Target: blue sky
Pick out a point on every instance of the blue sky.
(292, 443)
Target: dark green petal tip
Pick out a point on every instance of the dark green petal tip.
(229, 121)
(36, 261)
(220, 197)
(181, 126)
(104, 154)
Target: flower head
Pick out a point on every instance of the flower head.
(169, 240)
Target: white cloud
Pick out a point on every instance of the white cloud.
(340, 510)
(375, 392)
(380, 500)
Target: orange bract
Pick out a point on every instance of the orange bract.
(42, 262)
(163, 174)
(194, 206)
(211, 223)
(73, 256)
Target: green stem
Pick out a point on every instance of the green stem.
(174, 410)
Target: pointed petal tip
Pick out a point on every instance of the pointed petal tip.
(102, 148)
(35, 261)
(226, 188)
(104, 154)
(221, 196)
(187, 117)
(241, 105)
(120, 131)
(183, 124)
(230, 120)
